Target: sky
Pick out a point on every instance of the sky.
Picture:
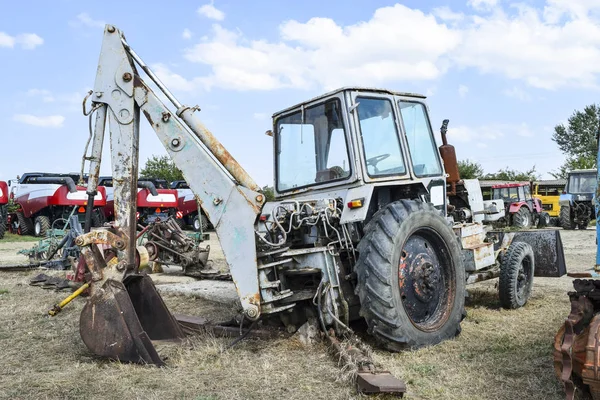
(503, 72)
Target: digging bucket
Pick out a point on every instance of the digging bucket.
(547, 249)
(121, 320)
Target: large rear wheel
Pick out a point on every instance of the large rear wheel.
(566, 220)
(3, 220)
(25, 224)
(411, 280)
(522, 218)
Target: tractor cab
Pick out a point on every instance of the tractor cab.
(355, 136)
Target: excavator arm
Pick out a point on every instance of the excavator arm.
(228, 195)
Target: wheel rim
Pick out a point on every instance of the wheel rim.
(523, 278)
(37, 228)
(197, 223)
(426, 280)
(525, 219)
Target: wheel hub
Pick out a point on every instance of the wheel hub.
(423, 280)
(425, 277)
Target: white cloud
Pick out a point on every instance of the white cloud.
(44, 94)
(482, 4)
(446, 14)
(553, 46)
(27, 41)
(51, 121)
(186, 34)
(6, 40)
(462, 91)
(176, 81)
(527, 47)
(517, 93)
(210, 11)
(322, 53)
(84, 19)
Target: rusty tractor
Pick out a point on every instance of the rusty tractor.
(370, 221)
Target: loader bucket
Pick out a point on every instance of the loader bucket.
(548, 251)
(121, 320)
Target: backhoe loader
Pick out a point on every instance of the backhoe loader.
(369, 222)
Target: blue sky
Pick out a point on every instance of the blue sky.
(504, 73)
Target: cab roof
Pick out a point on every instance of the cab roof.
(509, 185)
(351, 89)
(583, 171)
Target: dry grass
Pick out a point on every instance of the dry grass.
(499, 355)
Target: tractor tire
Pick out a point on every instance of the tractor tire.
(180, 223)
(25, 224)
(584, 225)
(566, 221)
(522, 218)
(201, 222)
(41, 225)
(517, 266)
(544, 220)
(3, 221)
(411, 278)
(98, 218)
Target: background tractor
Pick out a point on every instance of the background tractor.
(3, 207)
(576, 208)
(522, 210)
(370, 221)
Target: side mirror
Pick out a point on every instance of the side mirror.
(269, 133)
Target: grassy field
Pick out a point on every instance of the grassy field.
(9, 237)
(499, 355)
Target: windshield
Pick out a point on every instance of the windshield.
(423, 150)
(380, 137)
(508, 194)
(582, 183)
(311, 147)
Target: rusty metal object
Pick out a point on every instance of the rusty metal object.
(168, 244)
(194, 325)
(119, 321)
(449, 157)
(369, 378)
(577, 343)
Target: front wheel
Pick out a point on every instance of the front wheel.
(41, 225)
(544, 220)
(411, 280)
(517, 266)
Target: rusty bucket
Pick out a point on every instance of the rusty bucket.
(121, 320)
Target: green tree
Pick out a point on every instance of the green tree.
(578, 140)
(268, 192)
(161, 167)
(470, 169)
(507, 174)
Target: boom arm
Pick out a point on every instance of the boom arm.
(229, 197)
